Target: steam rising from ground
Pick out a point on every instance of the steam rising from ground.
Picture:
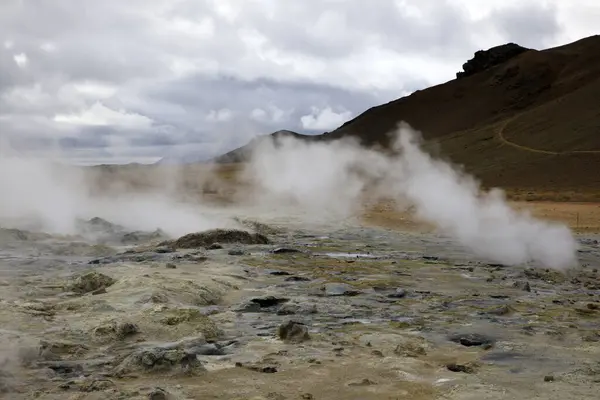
(317, 179)
(332, 178)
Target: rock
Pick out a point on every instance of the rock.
(102, 290)
(236, 252)
(125, 329)
(279, 273)
(262, 304)
(485, 59)
(297, 308)
(307, 396)
(410, 349)
(293, 332)
(398, 294)
(207, 238)
(208, 349)
(258, 367)
(170, 266)
(276, 396)
(363, 382)
(97, 385)
(214, 246)
(56, 350)
(90, 282)
(158, 394)
(548, 378)
(501, 311)
(340, 289)
(377, 353)
(159, 359)
(284, 250)
(297, 279)
(473, 339)
(465, 368)
(163, 250)
(120, 330)
(522, 285)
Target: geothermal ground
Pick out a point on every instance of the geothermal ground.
(290, 311)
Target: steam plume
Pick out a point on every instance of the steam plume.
(332, 178)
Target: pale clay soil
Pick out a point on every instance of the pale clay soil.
(380, 314)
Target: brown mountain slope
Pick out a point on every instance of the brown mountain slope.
(531, 123)
(525, 81)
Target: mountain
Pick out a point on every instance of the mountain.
(241, 154)
(514, 117)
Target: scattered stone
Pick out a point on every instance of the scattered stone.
(207, 238)
(285, 250)
(340, 289)
(297, 279)
(163, 250)
(97, 385)
(170, 266)
(102, 290)
(293, 332)
(279, 273)
(262, 304)
(363, 382)
(464, 368)
(159, 359)
(410, 349)
(208, 349)
(158, 394)
(275, 396)
(377, 353)
(398, 294)
(120, 330)
(90, 282)
(57, 350)
(297, 308)
(266, 369)
(522, 285)
(473, 340)
(214, 246)
(501, 311)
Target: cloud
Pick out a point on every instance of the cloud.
(180, 64)
(325, 119)
(100, 115)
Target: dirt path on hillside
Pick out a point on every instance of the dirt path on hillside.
(502, 138)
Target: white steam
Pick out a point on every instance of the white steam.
(40, 194)
(333, 178)
(311, 179)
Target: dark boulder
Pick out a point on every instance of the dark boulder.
(485, 59)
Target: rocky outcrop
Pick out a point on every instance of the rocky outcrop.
(485, 59)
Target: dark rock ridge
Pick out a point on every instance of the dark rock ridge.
(485, 59)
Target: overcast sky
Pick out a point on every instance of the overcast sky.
(135, 80)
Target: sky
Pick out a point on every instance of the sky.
(116, 81)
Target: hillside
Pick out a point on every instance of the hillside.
(515, 117)
(242, 153)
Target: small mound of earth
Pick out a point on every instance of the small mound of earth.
(207, 238)
(97, 225)
(11, 234)
(90, 282)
